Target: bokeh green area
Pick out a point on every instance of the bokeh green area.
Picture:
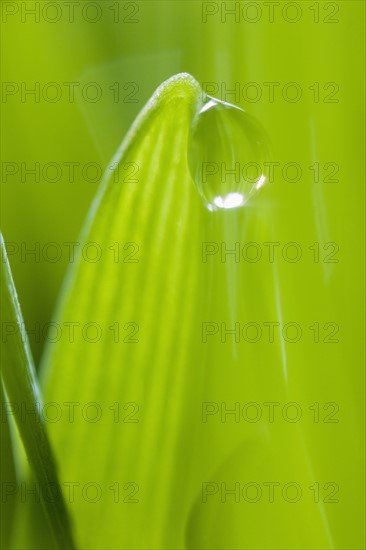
(320, 57)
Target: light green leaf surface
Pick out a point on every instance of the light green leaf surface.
(154, 293)
(18, 375)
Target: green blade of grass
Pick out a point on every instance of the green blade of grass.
(18, 374)
(148, 227)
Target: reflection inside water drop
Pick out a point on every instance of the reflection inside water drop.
(227, 155)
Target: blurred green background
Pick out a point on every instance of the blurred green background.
(128, 52)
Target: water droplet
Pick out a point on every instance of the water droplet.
(227, 153)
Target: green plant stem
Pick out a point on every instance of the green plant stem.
(18, 374)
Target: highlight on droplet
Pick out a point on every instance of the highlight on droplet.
(228, 155)
(232, 200)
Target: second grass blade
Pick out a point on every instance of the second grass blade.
(21, 386)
